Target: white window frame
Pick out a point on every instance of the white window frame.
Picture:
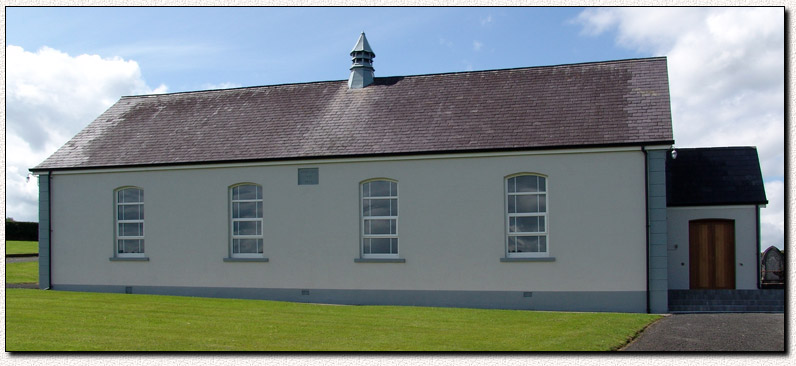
(117, 222)
(233, 220)
(543, 233)
(362, 219)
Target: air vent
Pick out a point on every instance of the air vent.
(307, 176)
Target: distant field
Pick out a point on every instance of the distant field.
(22, 247)
(22, 272)
(38, 320)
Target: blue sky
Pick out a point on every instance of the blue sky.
(65, 66)
(188, 48)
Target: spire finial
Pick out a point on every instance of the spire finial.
(361, 64)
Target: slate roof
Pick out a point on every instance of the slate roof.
(613, 103)
(714, 176)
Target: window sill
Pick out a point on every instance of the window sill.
(379, 260)
(129, 259)
(529, 259)
(230, 259)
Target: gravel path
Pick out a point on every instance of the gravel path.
(21, 259)
(714, 332)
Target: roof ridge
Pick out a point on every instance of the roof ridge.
(403, 76)
(534, 67)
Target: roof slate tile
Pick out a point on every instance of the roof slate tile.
(714, 176)
(601, 103)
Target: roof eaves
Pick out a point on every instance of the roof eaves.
(356, 156)
(717, 203)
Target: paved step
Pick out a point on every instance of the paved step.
(765, 300)
(726, 309)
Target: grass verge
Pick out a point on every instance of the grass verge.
(22, 272)
(38, 320)
(22, 247)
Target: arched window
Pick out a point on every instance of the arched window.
(379, 208)
(129, 226)
(526, 216)
(246, 220)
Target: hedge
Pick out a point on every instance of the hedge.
(18, 230)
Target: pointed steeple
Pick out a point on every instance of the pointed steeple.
(361, 64)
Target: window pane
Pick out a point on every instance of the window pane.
(380, 188)
(379, 208)
(527, 203)
(393, 189)
(366, 189)
(249, 245)
(131, 212)
(542, 202)
(365, 207)
(542, 184)
(127, 196)
(247, 228)
(512, 204)
(527, 183)
(393, 245)
(131, 229)
(527, 224)
(131, 246)
(380, 246)
(527, 244)
(379, 226)
(512, 224)
(542, 243)
(366, 246)
(512, 244)
(131, 195)
(246, 210)
(512, 182)
(394, 207)
(248, 192)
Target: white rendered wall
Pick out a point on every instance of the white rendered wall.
(745, 242)
(451, 226)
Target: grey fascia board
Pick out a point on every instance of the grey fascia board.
(529, 259)
(379, 260)
(230, 259)
(129, 259)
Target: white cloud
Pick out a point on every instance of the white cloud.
(772, 218)
(487, 20)
(477, 45)
(50, 96)
(727, 80)
(224, 85)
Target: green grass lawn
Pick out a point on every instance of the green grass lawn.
(38, 320)
(22, 247)
(22, 272)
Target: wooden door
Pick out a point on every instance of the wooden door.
(712, 254)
